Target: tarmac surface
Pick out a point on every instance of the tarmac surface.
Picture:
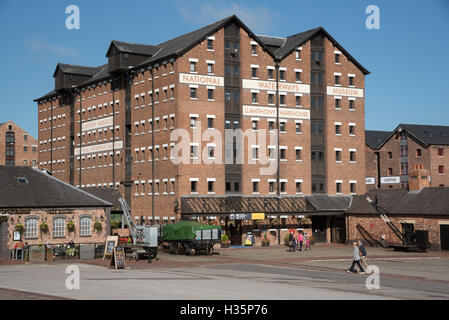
(236, 273)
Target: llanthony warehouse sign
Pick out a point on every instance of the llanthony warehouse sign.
(285, 113)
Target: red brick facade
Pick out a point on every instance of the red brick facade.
(24, 146)
(103, 112)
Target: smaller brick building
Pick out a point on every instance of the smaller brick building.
(17, 147)
(392, 156)
(426, 209)
(33, 199)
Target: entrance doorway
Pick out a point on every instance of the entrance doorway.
(444, 237)
(235, 229)
(319, 228)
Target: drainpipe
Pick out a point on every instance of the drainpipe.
(152, 143)
(81, 126)
(278, 187)
(113, 131)
(377, 153)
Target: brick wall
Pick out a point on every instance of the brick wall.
(30, 156)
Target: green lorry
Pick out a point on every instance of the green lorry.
(191, 237)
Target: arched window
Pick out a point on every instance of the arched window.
(59, 227)
(31, 228)
(85, 226)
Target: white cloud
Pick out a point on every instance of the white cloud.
(42, 46)
(257, 18)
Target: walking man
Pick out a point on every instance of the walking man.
(363, 255)
(356, 259)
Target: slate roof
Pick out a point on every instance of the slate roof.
(427, 201)
(430, 135)
(272, 41)
(110, 195)
(374, 139)
(324, 202)
(41, 191)
(74, 69)
(144, 49)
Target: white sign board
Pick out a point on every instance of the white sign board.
(96, 124)
(346, 92)
(201, 79)
(271, 86)
(284, 113)
(370, 180)
(99, 148)
(390, 180)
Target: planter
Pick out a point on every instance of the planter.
(225, 245)
(97, 226)
(43, 227)
(70, 226)
(265, 244)
(49, 255)
(19, 228)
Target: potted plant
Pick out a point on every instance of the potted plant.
(287, 239)
(43, 227)
(19, 227)
(225, 243)
(98, 226)
(71, 226)
(114, 224)
(265, 241)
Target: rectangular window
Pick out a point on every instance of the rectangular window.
(192, 93)
(282, 99)
(271, 187)
(337, 79)
(283, 154)
(59, 228)
(85, 226)
(390, 171)
(210, 186)
(351, 81)
(440, 169)
(440, 152)
(193, 186)
(192, 66)
(254, 72)
(253, 49)
(255, 124)
(338, 187)
(210, 94)
(298, 153)
(210, 44)
(270, 125)
(298, 76)
(298, 187)
(337, 103)
(418, 152)
(255, 186)
(390, 155)
(298, 100)
(31, 228)
(210, 123)
(352, 187)
(270, 74)
(298, 127)
(271, 98)
(337, 155)
(338, 129)
(352, 156)
(281, 75)
(210, 68)
(254, 97)
(352, 130)
(337, 58)
(283, 186)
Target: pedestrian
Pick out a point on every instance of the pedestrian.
(300, 240)
(356, 259)
(307, 241)
(363, 255)
(290, 241)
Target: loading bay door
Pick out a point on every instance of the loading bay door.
(444, 236)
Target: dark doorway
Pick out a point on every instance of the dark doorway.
(4, 251)
(319, 228)
(408, 233)
(235, 229)
(338, 230)
(444, 237)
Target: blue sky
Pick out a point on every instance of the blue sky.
(408, 57)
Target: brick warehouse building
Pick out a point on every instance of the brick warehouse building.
(410, 154)
(17, 147)
(110, 126)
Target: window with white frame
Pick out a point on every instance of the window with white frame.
(85, 226)
(59, 227)
(31, 228)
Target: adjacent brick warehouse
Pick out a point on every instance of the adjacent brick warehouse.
(392, 155)
(426, 209)
(32, 199)
(113, 125)
(17, 147)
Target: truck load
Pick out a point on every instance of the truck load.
(191, 237)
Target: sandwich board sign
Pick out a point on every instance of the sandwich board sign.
(111, 243)
(118, 258)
